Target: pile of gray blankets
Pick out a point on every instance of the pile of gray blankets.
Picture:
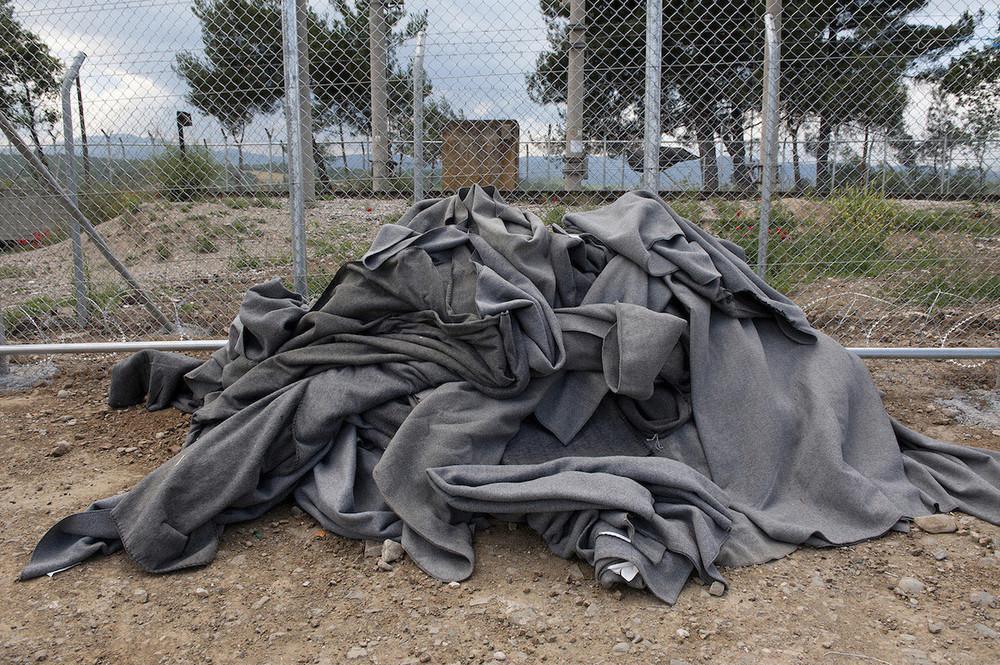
(622, 383)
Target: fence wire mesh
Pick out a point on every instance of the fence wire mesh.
(173, 142)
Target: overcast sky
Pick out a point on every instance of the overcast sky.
(478, 54)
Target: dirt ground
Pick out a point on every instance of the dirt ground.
(284, 591)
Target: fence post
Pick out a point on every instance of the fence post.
(380, 114)
(651, 102)
(270, 159)
(575, 162)
(79, 276)
(4, 360)
(293, 118)
(622, 147)
(769, 138)
(885, 160)
(418, 119)
(305, 103)
(945, 166)
(111, 160)
(84, 145)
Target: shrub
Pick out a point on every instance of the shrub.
(101, 205)
(185, 176)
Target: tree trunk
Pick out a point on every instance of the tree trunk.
(38, 144)
(823, 184)
(865, 153)
(796, 166)
(736, 147)
(319, 159)
(705, 135)
(343, 148)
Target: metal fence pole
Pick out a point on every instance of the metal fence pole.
(651, 102)
(418, 118)
(769, 139)
(296, 189)
(380, 114)
(4, 360)
(84, 145)
(111, 162)
(79, 275)
(912, 352)
(309, 166)
(270, 159)
(575, 162)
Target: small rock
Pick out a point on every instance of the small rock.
(985, 631)
(60, 449)
(940, 523)
(621, 648)
(141, 595)
(260, 602)
(940, 555)
(62, 394)
(909, 586)
(454, 585)
(717, 588)
(357, 652)
(499, 656)
(159, 435)
(383, 565)
(201, 592)
(522, 616)
(981, 599)
(573, 572)
(392, 551)
(934, 627)
(683, 633)
(373, 548)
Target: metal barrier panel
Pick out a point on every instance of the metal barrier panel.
(217, 143)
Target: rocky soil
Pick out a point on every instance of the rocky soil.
(284, 591)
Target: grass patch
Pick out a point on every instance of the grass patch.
(342, 248)
(14, 272)
(236, 203)
(162, 251)
(247, 227)
(243, 260)
(949, 285)
(850, 242)
(247, 202)
(17, 317)
(554, 215)
(105, 298)
(205, 244)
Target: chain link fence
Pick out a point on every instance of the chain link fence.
(216, 143)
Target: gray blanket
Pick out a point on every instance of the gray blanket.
(623, 383)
